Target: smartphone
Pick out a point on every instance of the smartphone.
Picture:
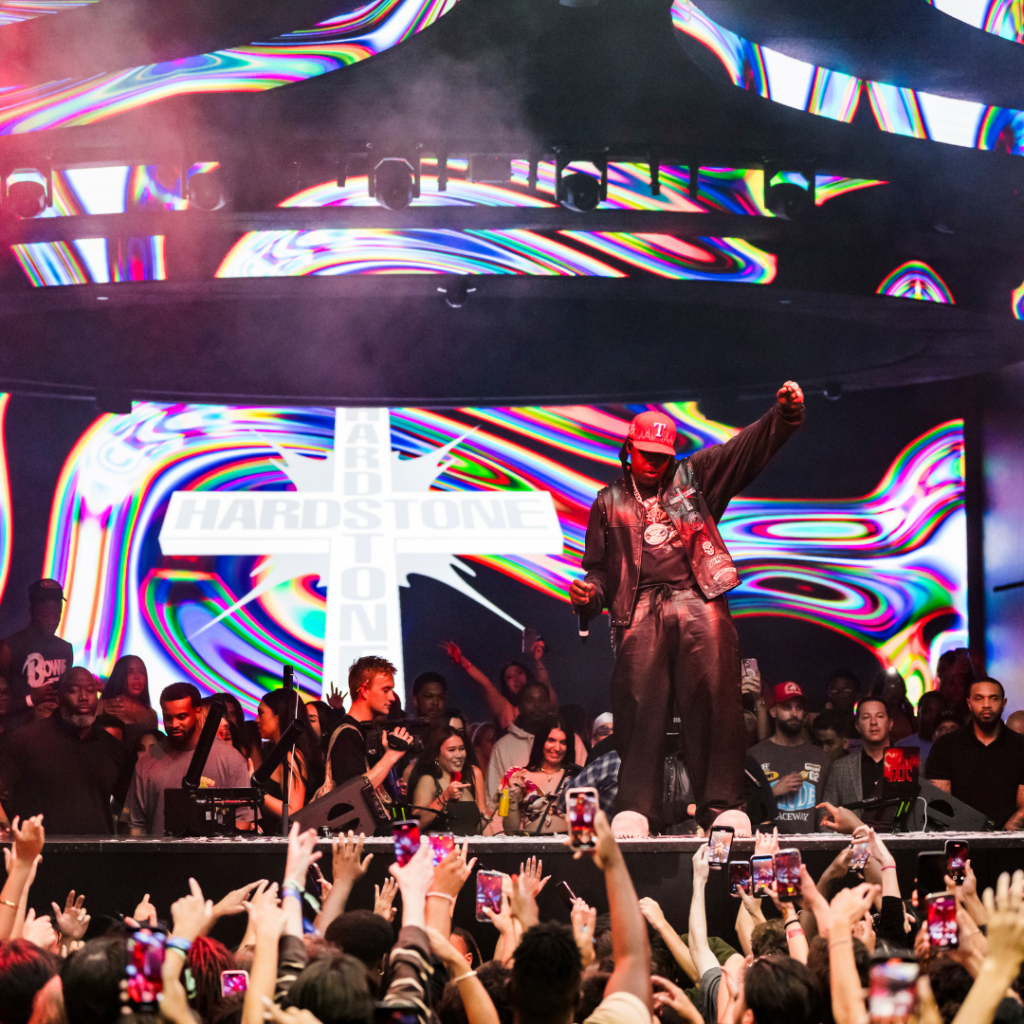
(581, 805)
(957, 852)
(488, 893)
(892, 992)
(441, 844)
(565, 894)
(787, 874)
(859, 856)
(749, 669)
(931, 869)
(719, 845)
(233, 982)
(762, 871)
(942, 927)
(145, 968)
(407, 840)
(389, 1013)
(739, 877)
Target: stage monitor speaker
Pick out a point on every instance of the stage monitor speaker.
(346, 807)
(945, 813)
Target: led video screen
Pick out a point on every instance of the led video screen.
(220, 542)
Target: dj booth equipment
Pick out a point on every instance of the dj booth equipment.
(115, 873)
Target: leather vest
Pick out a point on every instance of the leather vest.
(683, 502)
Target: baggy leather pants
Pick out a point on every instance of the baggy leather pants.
(679, 649)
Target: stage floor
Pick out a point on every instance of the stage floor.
(115, 873)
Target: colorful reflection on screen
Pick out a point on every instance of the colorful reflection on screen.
(887, 569)
(916, 280)
(835, 95)
(13, 11)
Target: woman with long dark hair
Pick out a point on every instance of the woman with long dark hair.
(126, 696)
(275, 711)
(447, 790)
(532, 806)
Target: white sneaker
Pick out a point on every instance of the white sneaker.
(630, 825)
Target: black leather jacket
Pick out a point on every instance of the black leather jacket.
(705, 482)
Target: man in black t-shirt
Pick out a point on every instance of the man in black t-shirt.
(33, 659)
(371, 684)
(983, 763)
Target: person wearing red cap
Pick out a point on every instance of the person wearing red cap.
(797, 770)
(655, 559)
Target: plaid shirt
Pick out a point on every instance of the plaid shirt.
(602, 775)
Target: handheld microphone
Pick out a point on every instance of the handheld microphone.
(583, 625)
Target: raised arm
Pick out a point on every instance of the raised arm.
(28, 844)
(656, 919)
(540, 671)
(496, 701)
(632, 955)
(348, 866)
(703, 959)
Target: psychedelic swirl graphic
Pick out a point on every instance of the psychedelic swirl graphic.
(887, 569)
(336, 43)
(916, 280)
(13, 11)
(835, 95)
(562, 253)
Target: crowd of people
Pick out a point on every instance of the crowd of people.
(91, 755)
(841, 948)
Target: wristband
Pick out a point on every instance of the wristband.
(463, 977)
(838, 942)
(888, 867)
(292, 889)
(443, 896)
(179, 945)
(9, 903)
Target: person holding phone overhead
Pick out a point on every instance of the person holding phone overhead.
(655, 559)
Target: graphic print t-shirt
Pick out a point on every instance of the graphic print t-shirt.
(663, 559)
(37, 658)
(796, 809)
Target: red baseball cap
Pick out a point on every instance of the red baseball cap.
(653, 432)
(787, 691)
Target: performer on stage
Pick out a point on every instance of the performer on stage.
(655, 559)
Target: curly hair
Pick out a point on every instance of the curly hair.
(546, 974)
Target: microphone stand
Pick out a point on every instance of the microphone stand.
(286, 777)
(552, 798)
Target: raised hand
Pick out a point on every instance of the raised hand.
(673, 996)
(383, 898)
(40, 932)
(453, 651)
(530, 880)
(28, 839)
(524, 904)
(301, 853)
(72, 922)
(1006, 920)
(234, 902)
(335, 699)
(850, 905)
(652, 912)
(840, 819)
(347, 859)
(790, 396)
(193, 914)
(584, 923)
(766, 844)
(451, 874)
(701, 869)
(267, 918)
(145, 911)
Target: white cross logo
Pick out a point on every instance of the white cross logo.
(361, 519)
